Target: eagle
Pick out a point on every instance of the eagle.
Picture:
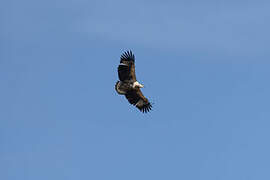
(128, 84)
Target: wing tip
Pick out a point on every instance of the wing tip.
(146, 108)
(127, 56)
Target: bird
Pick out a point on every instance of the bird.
(128, 84)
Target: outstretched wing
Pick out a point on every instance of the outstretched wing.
(136, 98)
(126, 68)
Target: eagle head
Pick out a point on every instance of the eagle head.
(137, 85)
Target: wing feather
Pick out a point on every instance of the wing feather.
(136, 98)
(126, 68)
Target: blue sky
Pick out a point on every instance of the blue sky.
(205, 65)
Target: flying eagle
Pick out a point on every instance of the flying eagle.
(128, 85)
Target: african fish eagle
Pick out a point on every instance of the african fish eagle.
(128, 85)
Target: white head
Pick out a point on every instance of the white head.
(137, 85)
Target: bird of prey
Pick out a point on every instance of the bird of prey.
(128, 84)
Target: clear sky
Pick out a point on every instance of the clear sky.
(204, 64)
